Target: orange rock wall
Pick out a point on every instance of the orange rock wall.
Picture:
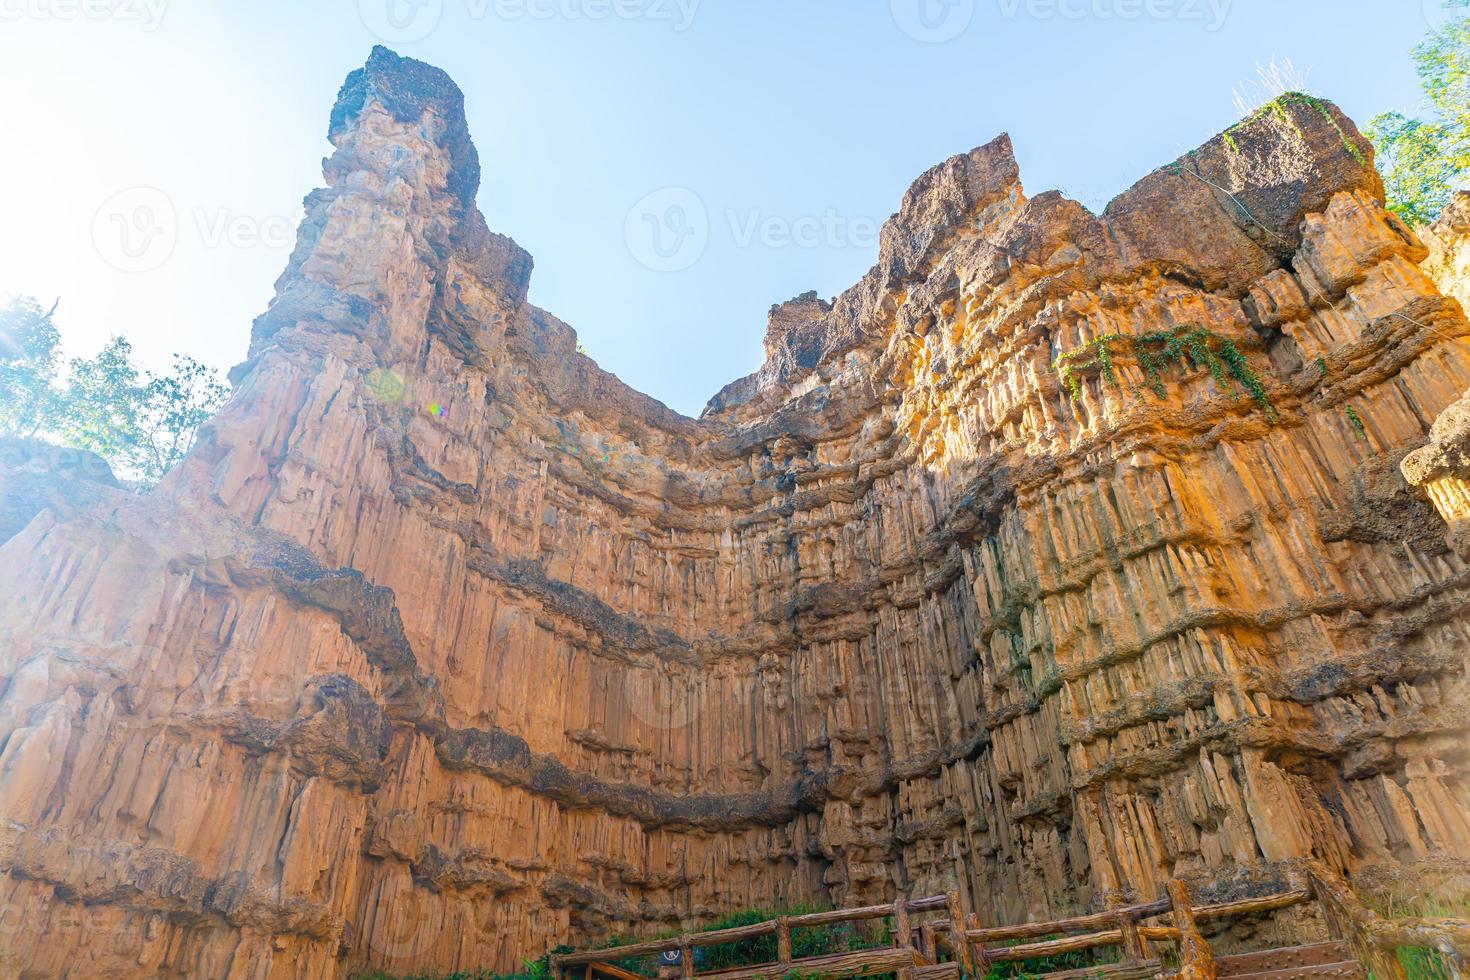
(444, 646)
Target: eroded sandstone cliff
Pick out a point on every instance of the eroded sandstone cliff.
(1061, 554)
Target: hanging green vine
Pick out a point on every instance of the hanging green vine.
(1185, 347)
(1355, 420)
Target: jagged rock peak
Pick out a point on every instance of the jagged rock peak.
(411, 90)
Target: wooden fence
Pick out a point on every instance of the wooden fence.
(933, 940)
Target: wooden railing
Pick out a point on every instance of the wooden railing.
(1124, 927)
(947, 946)
(1376, 941)
(913, 947)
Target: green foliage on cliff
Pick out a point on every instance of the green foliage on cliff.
(29, 358)
(142, 423)
(1279, 108)
(1425, 157)
(1182, 348)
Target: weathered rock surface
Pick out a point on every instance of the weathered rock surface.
(443, 645)
(1448, 241)
(36, 474)
(1442, 467)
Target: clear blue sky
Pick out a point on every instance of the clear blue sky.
(802, 116)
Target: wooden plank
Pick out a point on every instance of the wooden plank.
(1248, 906)
(862, 963)
(1283, 958)
(934, 903)
(1081, 923)
(1070, 944)
(1111, 971)
(616, 972)
(734, 934)
(839, 915)
(619, 952)
(939, 971)
(1028, 930)
(1348, 970)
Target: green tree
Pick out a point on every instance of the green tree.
(142, 423)
(100, 405)
(29, 359)
(1425, 158)
(172, 408)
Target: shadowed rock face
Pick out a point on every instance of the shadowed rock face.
(444, 646)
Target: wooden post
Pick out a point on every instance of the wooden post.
(783, 942)
(976, 950)
(1134, 949)
(1329, 911)
(903, 933)
(926, 943)
(686, 958)
(1196, 962)
(1349, 921)
(957, 927)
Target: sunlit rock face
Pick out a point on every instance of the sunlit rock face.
(1442, 467)
(1061, 554)
(1448, 240)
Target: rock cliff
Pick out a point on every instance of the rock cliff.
(1442, 467)
(1062, 553)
